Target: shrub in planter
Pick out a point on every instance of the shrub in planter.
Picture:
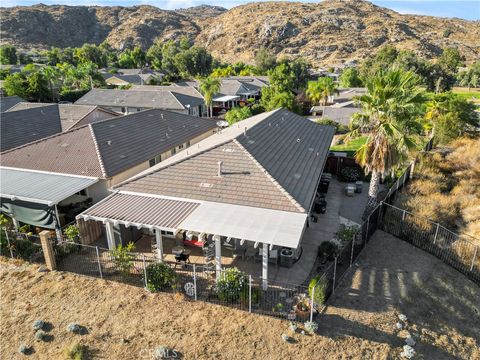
(346, 233)
(350, 174)
(160, 276)
(327, 250)
(72, 232)
(302, 309)
(317, 289)
(230, 285)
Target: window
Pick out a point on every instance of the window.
(155, 160)
(124, 110)
(138, 109)
(188, 143)
(180, 147)
(82, 192)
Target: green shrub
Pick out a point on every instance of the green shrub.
(311, 326)
(346, 233)
(327, 250)
(40, 335)
(320, 284)
(256, 295)
(38, 325)
(72, 232)
(76, 352)
(350, 174)
(123, 259)
(160, 276)
(24, 249)
(231, 283)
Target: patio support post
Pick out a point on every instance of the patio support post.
(16, 225)
(110, 235)
(8, 242)
(311, 302)
(218, 256)
(265, 266)
(159, 241)
(99, 264)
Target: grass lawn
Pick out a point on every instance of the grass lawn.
(463, 92)
(352, 145)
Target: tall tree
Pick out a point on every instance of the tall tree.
(321, 90)
(389, 117)
(8, 55)
(51, 74)
(264, 61)
(209, 86)
(450, 116)
(350, 78)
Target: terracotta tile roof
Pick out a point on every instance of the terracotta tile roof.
(276, 163)
(242, 181)
(106, 148)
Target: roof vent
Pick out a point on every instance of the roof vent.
(298, 140)
(206, 185)
(123, 156)
(297, 176)
(64, 145)
(220, 165)
(161, 115)
(228, 150)
(109, 142)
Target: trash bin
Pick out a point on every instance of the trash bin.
(358, 186)
(286, 257)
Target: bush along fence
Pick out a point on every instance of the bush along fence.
(337, 256)
(462, 252)
(20, 245)
(232, 287)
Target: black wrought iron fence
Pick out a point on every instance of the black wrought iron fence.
(459, 251)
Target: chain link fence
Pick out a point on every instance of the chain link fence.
(18, 245)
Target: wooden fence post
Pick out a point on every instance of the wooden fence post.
(48, 250)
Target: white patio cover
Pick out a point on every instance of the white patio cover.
(272, 227)
(226, 98)
(40, 187)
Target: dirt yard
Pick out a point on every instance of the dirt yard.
(124, 322)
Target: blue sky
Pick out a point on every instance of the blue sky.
(466, 9)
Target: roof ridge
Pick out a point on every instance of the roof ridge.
(97, 150)
(175, 97)
(270, 177)
(93, 108)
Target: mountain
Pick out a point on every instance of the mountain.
(328, 32)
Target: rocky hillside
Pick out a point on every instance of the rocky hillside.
(329, 32)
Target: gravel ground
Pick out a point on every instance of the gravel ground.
(125, 322)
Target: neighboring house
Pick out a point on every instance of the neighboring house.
(343, 107)
(254, 182)
(25, 126)
(131, 101)
(235, 89)
(102, 154)
(189, 91)
(125, 77)
(6, 102)
(71, 115)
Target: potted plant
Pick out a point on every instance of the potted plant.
(302, 309)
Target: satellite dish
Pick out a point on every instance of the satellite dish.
(222, 123)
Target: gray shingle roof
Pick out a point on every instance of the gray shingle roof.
(168, 100)
(277, 165)
(186, 90)
(108, 147)
(70, 114)
(24, 126)
(341, 115)
(6, 102)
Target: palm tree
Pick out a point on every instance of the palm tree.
(390, 112)
(320, 90)
(209, 86)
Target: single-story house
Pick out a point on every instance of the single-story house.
(103, 153)
(131, 101)
(6, 102)
(189, 91)
(124, 77)
(71, 115)
(235, 89)
(252, 184)
(24, 126)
